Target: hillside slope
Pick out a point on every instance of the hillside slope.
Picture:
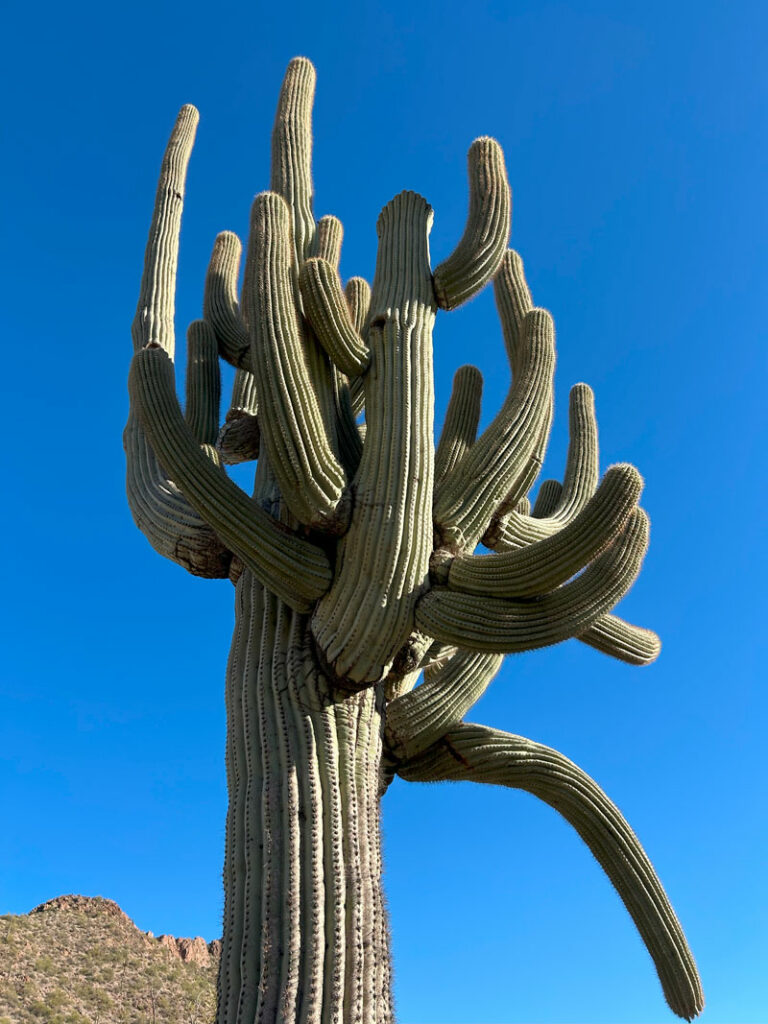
(81, 960)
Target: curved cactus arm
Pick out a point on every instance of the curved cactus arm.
(502, 462)
(329, 235)
(220, 306)
(292, 154)
(203, 383)
(383, 560)
(419, 718)
(461, 419)
(547, 499)
(349, 435)
(239, 437)
(622, 640)
(325, 306)
(511, 530)
(476, 258)
(497, 625)
(539, 568)
(311, 479)
(297, 571)
(480, 754)
(170, 524)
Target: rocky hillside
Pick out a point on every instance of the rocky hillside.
(81, 960)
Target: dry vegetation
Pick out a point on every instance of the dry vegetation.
(78, 960)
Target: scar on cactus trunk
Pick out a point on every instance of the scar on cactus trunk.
(355, 561)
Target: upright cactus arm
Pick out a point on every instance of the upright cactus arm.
(220, 305)
(476, 258)
(512, 530)
(479, 754)
(357, 292)
(294, 569)
(539, 568)
(172, 526)
(203, 384)
(461, 419)
(329, 235)
(311, 478)
(507, 626)
(499, 466)
(383, 561)
(546, 501)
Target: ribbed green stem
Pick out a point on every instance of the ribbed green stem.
(220, 306)
(383, 560)
(305, 933)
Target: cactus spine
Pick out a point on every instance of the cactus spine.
(354, 560)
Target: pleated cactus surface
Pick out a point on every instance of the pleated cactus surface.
(367, 622)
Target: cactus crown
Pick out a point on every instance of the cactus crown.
(358, 521)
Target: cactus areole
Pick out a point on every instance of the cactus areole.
(355, 565)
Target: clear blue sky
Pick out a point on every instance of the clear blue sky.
(635, 141)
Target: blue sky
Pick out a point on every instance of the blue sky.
(635, 141)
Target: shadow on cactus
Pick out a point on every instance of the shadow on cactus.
(354, 560)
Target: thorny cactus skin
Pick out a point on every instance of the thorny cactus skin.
(354, 561)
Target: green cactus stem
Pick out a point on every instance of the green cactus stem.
(366, 622)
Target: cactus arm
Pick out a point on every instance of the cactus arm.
(513, 303)
(357, 292)
(511, 530)
(326, 308)
(350, 439)
(419, 718)
(497, 625)
(476, 258)
(239, 437)
(479, 754)
(311, 479)
(291, 567)
(542, 567)
(461, 419)
(622, 640)
(547, 499)
(220, 306)
(161, 512)
(499, 466)
(292, 153)
(383, 560)
(203, 384)
(329, 235)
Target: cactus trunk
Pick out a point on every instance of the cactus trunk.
(305, 933)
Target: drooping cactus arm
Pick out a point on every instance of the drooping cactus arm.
(292, 153)
(476, 258)
(383, 561)
(293, 432)
(499, 466)
(479, 754)
(419, 718)
(461, 419)
(294, 569)
(325, 306)
(172, 526)
(203, 383)
(496, 625)
(539, 568)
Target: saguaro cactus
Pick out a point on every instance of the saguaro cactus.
(355, 560)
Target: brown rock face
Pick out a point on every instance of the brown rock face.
(194, 951)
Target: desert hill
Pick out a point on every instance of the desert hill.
(81, 960)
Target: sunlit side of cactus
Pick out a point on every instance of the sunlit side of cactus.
(354, 560)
